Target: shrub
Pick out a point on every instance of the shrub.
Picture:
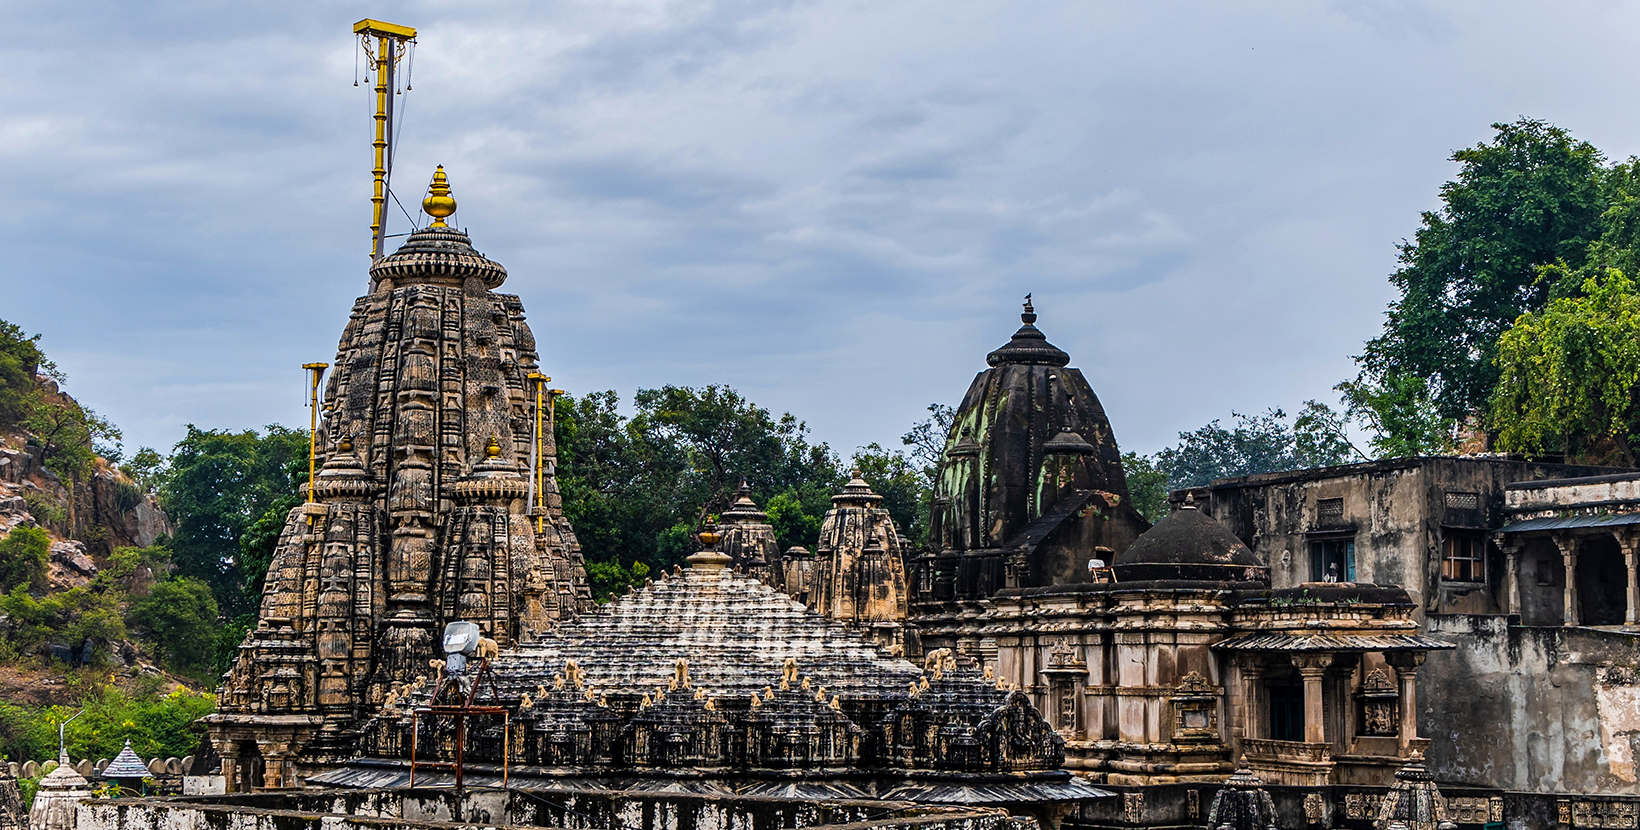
(76, 618)
(25, 553)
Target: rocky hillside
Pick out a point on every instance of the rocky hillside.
(109, 510)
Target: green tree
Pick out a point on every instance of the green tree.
(179, 617)
(147, 469)
(24, 556)
(158, 725)
(927, 439)
(1147, 486)
(637, 488)
(1571, 375)
(1531, 197)
(219, 484)
(20, 359)
(1397, 411)
(1257, 444)
(606, 578)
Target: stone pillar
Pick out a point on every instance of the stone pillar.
(1252, 700)
(1406, 665)
(1629, 540)
(1568, 555)
(1511, 547)
(230, 764)
(1313, 667)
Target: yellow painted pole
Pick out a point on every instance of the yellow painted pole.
(318, 370)
(540, 381)
(389, 38)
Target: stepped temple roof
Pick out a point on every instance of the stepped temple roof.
(735, 632)
(709, 681)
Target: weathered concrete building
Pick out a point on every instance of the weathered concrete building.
(1421, 523)
(1528, 569)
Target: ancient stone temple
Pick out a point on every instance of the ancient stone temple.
(859, 568)
(1188, 659)
(749, 540)
(434, 502)
(709, 681)
(1031, 488)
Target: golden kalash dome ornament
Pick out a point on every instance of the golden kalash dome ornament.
(439, 203)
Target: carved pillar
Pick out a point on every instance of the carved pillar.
(1629, 540)
(1313, 667)
(1568, 555)
(1252, 698)
(1406, 665)
(1511, 547)
(229, 750)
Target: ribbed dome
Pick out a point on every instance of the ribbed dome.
(1029, 345)
(1188, 544)
(442, 256)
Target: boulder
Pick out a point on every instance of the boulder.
(72, 555)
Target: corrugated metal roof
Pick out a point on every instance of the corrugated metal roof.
(1284, 641)
(1559, 523)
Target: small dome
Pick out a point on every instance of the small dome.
(1069, 443)
(1029, 345)
(1188, 544)
(438, 256)
(856, 493)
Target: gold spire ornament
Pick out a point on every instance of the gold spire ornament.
(439, 203)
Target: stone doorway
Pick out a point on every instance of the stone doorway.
(1286, 712)
(250, 767)
(1602, 581)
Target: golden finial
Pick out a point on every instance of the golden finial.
(492, 449)
(439, 203)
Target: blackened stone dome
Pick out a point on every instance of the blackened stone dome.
(1029, 345)
(1188, 544)
(438, 256)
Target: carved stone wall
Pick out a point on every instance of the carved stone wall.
(424, 511)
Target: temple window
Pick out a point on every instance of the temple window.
(1464, 557)
(1332, 560)
(1329, 512)
(1286, 712)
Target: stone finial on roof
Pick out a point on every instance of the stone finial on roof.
(709, 558)
(439, 203)
(1414, 802)
(856, 493)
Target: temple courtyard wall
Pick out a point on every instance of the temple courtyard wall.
(579, 810)
(1531, 708)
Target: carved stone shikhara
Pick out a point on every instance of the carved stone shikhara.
(859, 569)
(1030, 488)
(420, 515)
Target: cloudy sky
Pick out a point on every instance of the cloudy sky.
(834, 207)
